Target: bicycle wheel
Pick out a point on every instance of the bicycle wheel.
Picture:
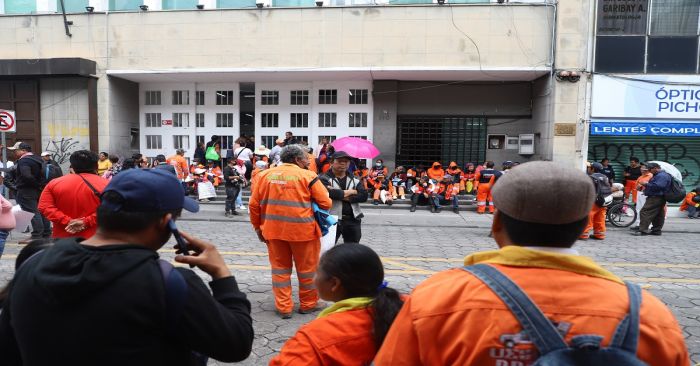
(621, 215)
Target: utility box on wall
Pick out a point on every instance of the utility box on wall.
(526, 145)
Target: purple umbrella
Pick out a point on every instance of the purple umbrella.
(356, 147)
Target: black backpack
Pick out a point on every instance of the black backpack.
(49, 172)
(676, 192)
(603, 191)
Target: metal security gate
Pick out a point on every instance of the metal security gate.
(426, 139)
(684, 152)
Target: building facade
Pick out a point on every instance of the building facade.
(646, 88)
(465, 81)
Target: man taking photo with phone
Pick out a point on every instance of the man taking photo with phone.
(109, 300)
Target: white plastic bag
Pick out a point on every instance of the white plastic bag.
(328, 240)
(206, 190)
(22, 218)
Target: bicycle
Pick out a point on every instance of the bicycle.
(621, 214)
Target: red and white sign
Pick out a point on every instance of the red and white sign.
(167, 122)
(7, 121)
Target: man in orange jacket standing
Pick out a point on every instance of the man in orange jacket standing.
(282, 216)
(455, 318)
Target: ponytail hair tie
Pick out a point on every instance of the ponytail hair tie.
(382, 286)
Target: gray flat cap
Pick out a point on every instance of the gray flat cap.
(545, 193)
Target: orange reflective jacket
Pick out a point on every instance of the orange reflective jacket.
(280, 203)
(436, 172)
(343, 338)
(467, 324)
(688, 201)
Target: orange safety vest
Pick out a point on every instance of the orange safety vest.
(343, 338)
(434, 173)
(688, 201)
(469, 325)
(280, 204)
(312, 163)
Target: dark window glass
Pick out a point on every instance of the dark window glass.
(619, 54)
(676, 55)
(627, 17)
(674, 17)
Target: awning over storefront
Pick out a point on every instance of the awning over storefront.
(48, 67)
(204, 75)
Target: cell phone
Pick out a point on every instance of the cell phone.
(181, 243)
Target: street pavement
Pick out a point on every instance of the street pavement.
(413, 246)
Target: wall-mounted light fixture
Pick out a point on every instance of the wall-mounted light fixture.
(143, 7)
(89, 9)
(200, 6)
(319, 3)
(566, 75)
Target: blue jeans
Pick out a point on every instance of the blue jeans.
(693, 211)
(3, 238)
(239, 198)
(453, 200)
(232, 193)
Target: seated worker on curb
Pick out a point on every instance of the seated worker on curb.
(436, 172)
(691, 203)
(398, 183)
(350, 331)
(109, 300)
(382, 189)
(425, 192)
(469, 324)
(448, 190)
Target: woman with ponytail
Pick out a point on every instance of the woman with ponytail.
(350, 331)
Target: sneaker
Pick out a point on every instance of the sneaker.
(310, 311)
(432, 209)
(655, 233)
(203, 200)
(376, 203)
(243, 207)
(389, 203)
(413, 209)
(234, 213)
(634, 228)
(455, 210)
(640, 233)
(437, 210)
(284, 315)
(597, 238)
(403, 197)
(227, 214)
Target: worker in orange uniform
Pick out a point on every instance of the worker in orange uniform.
(542, 208)
(596, 218)
(436, 172)
(456, 172)
(179, 162)
(282, 216)
(350, 331)
(691, 203)
(485, 179)
(641, 198)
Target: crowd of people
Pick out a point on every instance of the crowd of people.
(102, 285)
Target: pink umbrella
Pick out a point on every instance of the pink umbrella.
(356, 147)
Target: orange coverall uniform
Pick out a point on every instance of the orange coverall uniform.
(469, 325)
(596, 222)
(280, 206)
(436, 173)
(343, 338)
(484, 181)
(631, 182)
(688, 201)
(180, 164)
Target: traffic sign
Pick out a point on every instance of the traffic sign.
(7, 121)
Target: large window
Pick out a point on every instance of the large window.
(669, 44)
(199, 120)
(227, 142)
(224, 97)
(224, 120)
(181, 120)
(153, 98)
(299, 120)
(328, 96)
(269, 120)
(181, 142)
(154, 141)
(269, 141)
(358, 96)
(20, 6)
(327, 120)
(181, 97)
(358, 120)
(153, 120)
(199, 97)
(299, 97)
(270, 97)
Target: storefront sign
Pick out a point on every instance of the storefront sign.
(635, 128)
(672, 97)
(618, 17)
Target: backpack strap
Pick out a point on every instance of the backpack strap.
(175, 294)
(627, 333)
(92, 188)
(313, 181)
(540, 330)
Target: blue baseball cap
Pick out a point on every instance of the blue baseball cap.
(148, 190)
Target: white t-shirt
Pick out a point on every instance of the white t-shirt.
(243, 153)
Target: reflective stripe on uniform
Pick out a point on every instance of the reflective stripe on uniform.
(282, 271)
(481, 203)
(285, 203)
(300, 220)
(282, 284)
(306, 275)
(307, 286)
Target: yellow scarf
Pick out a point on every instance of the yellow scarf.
(352, 303)
(522, 257)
